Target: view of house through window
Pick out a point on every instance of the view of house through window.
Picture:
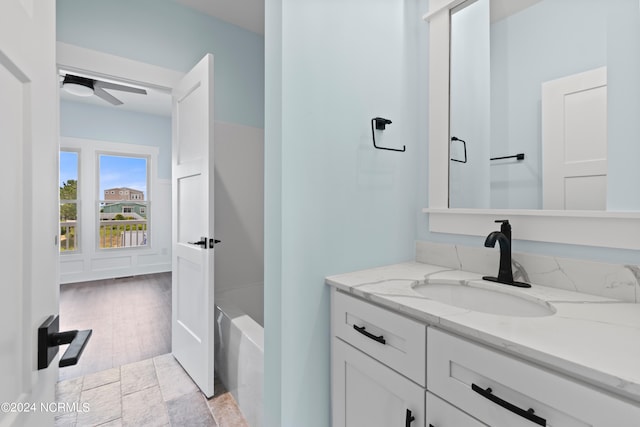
(68, 201)
(123, 201)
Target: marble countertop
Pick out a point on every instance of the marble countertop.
(595, 339)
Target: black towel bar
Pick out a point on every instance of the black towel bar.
(519, 156)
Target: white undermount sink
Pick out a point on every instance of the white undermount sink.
(477, 297)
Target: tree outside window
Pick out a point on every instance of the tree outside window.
(68, 201)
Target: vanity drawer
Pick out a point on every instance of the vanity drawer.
(395, 340)
(500, 390)
(442, 414)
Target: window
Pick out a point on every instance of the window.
(123, 225)
(69, 201)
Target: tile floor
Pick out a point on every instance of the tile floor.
(152, 392)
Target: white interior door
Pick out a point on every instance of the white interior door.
(29, 253)
(574, 138)
(192, 325)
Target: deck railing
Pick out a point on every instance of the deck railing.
(123, 234)
(68, 236)
(113, 234)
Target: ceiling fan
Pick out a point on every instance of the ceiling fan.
(83, 86)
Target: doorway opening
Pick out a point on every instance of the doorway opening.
(240, 199)
(115, 226)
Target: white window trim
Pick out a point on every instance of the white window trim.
(137, 152)
(89, 152)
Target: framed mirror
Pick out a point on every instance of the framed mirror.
(498, 70)
(529, 104)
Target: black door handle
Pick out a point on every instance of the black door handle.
(206, 243)
(49, 339)
(202, 242)
(528, 414)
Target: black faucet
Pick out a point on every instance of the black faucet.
(503, 237)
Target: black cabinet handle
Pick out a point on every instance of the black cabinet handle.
(528, 414)
(408, 419)
(362, 330)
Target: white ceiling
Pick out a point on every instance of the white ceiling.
(248, 14)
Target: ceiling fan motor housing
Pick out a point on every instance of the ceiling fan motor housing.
(82, 81)
(84, 86)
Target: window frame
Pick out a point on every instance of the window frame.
(132, 153)
(78, 231)
(89, 210)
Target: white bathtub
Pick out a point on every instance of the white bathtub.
(239, 348)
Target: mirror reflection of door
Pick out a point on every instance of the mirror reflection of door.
(574, 141)
(501, 54)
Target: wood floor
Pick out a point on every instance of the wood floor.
(130, 319)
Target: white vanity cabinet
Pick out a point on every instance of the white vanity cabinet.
(443, 414)
(367, 393)
(378, 369)
(392, 370)
(501, 390)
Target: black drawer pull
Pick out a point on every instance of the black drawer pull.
(362, 330)
(528, 414)
(408, 419)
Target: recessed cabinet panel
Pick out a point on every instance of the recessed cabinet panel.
(365, 393)
(502, 391)
(441, 414)
(393, 339)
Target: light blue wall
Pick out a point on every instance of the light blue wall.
(164, 33)
(334, 203)
(109, 124)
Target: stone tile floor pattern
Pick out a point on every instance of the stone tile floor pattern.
(153, 392)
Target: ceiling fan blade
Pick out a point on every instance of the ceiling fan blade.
(101, 93)
(107, 85)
